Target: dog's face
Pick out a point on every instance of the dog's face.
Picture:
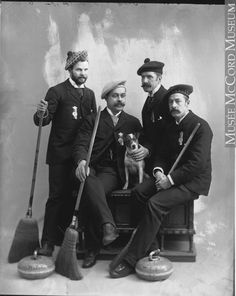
(129, 140)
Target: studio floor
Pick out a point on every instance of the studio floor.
(210, 275)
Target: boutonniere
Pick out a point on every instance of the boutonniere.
(121, 139)
(181, 138)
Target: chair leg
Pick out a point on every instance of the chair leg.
(190, 243)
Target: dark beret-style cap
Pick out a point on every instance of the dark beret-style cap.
(184, 89)
(153, 66)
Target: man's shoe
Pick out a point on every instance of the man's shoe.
(46, 250)
(122, 270)
(90, 258)
(110, 233)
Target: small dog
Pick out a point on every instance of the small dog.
(131, 166)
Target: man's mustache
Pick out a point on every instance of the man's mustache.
(172, 110)
(119, 104)
(145, 84)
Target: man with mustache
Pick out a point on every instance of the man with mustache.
(162, 192)
(155, 114)
(65, 106)
(106, 171)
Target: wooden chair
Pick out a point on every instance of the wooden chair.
(177, 230)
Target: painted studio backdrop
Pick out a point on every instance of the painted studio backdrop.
(189, 39)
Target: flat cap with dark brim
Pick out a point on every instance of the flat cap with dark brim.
(111, 86)
(184, 89)
(74, 57)
(153, 66)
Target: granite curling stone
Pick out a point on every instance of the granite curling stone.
(35, 267)
(154, 267)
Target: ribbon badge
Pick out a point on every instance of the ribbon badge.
(74, 113)
(181, 138)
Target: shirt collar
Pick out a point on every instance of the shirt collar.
(182, 118)
(74, 84)
(151, 94)
(110, 112)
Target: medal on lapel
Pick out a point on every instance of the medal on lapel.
(74, 113)
(181, 137)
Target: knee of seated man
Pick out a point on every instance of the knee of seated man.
(142, 192)
(157, 206)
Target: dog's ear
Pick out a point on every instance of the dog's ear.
(121, 139)
(137, 135)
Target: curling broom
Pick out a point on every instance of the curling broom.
(66, 262)
(26, 238)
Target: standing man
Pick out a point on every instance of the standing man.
(191, 178)
(154, 113)
(66, 106)
(106, 171)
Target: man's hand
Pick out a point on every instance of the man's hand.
(163, 183)
(159, 176)
(42, 106)
(80, 171)
(140, 153)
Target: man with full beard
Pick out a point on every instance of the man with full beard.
(66, 106)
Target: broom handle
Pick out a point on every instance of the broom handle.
(29, 211)
(88, 158)
(184, 148)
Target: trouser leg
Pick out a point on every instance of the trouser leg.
(158, 206)
(56, 214)
(97, 188)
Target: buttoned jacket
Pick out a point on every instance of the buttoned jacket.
(67, 108)
(107, 135)
(194, 168)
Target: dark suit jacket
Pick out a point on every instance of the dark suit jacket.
(64, 101)
(194, 168)
(154, 117)
(105, 136)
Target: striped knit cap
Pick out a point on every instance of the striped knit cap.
(73, 57)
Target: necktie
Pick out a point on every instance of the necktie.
(114, 119)
(149, 102)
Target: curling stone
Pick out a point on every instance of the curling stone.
(154, 267)
(35, 267)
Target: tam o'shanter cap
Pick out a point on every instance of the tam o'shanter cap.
(75, 56)
(111, 86)
(184, 89)
(153, 66)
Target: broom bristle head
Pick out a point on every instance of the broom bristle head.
(25, 241)
(66, 262)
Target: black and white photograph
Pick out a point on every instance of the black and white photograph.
(117, 148)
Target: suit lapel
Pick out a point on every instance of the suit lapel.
(121, 121)
(107, 118)
(73, 91)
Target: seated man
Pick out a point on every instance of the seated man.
(106, 171)
(191, 178)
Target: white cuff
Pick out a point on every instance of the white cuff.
(171, 180)
(157, 169)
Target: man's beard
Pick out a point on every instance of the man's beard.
(79, 80)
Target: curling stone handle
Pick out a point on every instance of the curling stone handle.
(153, 256)
(35, 255)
